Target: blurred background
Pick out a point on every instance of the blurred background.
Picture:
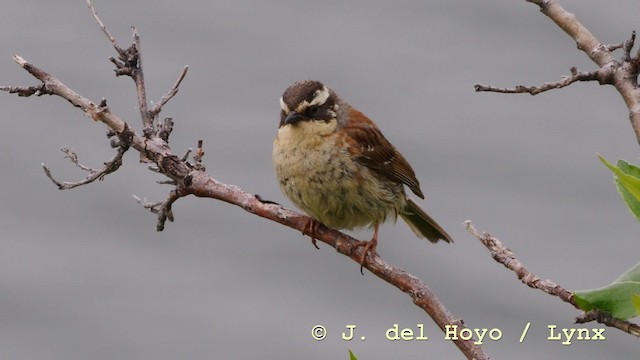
(84, 274)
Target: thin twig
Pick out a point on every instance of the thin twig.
(165, 129)
(568, 22)
(534, 90)
(198, 156)
(104, 29)
(506, 257)
(186, 154)
(137, 74)
(628, 45)
(130, 64)
(172, 92)
(94, 174)
(609, 320)
(26, 91)
(162, 208)
(613, 47)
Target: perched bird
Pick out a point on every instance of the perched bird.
(334, 164)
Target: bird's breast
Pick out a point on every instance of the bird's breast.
(317, 173)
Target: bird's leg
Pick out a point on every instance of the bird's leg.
(311, 228)
(369, 247)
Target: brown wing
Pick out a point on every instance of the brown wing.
(371, 149)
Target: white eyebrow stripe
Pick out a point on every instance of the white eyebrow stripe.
(283, 105)
(320, 96)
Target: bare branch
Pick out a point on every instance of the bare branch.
(614, 47)
(506, 257)
(137, 74)
(422, 296)
(130, 64)
(607, 319)
(167, 182)
(153, 207)
(186, 154)
(165, 129)
(162, 208)
(26, 91)
(628, 45)
(534, 90)
(568, 22)
(94, 174)
(172, 92)
(634, 61)
(198, 156)
(104, 29)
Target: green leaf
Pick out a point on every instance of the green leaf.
(351, 356)
(635, 299)
(627, 178)
(632, 202)
(615, 298)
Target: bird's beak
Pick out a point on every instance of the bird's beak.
(292, 118)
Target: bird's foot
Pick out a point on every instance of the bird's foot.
(369, 248)
(311, 228)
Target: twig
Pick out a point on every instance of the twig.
(130, 64)
(609, 320)
(104, 29)
(162, 208)
(422, 296)
(186, 154)
(568, 22)
(628, 45)
(94, 174)
(153, 207)
(198, 156)
(26, 91)
(137, 74)
(534, 90)
(506, 257)
(165, 129)
(172, 92)
(622, 75)
(613, 47)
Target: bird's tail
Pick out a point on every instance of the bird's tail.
(422, 224)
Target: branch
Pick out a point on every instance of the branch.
(172, 92)
(607, 319)
(568, 22)
(26, 91)
(534, 90)
(621, 74)
(506, 257)
(422, 296)
(94, 174)
(162, 208)
(129, 63)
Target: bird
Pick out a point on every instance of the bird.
(334, 163)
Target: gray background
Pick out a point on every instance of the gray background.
(84, 274)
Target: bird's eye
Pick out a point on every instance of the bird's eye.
(312, 111)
